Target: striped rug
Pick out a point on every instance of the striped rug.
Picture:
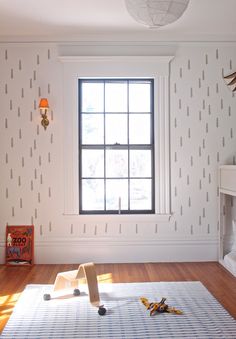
(126, 317)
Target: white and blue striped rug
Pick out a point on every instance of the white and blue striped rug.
(126, 317)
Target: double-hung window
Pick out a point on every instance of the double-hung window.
(116, 146)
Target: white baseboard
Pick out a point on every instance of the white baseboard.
(64, 251)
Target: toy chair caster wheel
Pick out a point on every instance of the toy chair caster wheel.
(101, 310)
(76, 292)
(46, 296)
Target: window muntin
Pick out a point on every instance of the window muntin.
(116, 146)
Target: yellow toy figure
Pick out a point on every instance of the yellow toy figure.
(159, 307)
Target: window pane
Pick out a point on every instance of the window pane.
(140, 194)
(140, 163)
(92, 129)
(116, 97)
(93, 194)
(116, 189)
(92, 97)
(139, 97)
(139, 129)
(116, 163)
(92, 163)
(116, 128)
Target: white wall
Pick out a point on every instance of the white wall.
(203, 136)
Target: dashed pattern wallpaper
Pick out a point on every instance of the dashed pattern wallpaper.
(203, 136)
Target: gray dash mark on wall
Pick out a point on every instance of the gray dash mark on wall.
(136, 228)
(32, 220)
(191, 92)
(39, 198)
(40, 160)
(203, 212)
(49, 89)
(181, 210)
(208, 91)
(12, 211)
(217, 122)
(223, 141)
(71, 229)
(31, 116)
(231, 133)
(31, 185)
(41, 230)
(200, 151)
(156, 228)
(199, 220)
(200, 115)
(175, 157)
(191, 229)
(203, 75)
(6, 123)
(203, 104)
(22, 93)
(11, 173)
(21, 203)
(12, 74)
(207, 196)
(18, 112)
(11, 105)
(217, 54)
(207, 127)
(51, 115)
(22, 162)
(106, 227)
(200, 184)
(20, 134)
(208, 228)
(50, 226)
(209, 109)
(49, 54)
(188, 181)
(19, 181)
(217, 191)
(187, 111)
(181, 141)
(84, 229)
(175, 226)
(31, 83)
(6, 90)
(35, 173)
(217, 88)
(204, 172)
(35, 144)
(49, 192)
(35, 213)
(51, 138)
(175, 191)
(31, 152)
(180, 172)
(6, 54)
(175, 88)
(95, 230)
(208, 160)
(230, 64)
(49, 157)
(209, 178)
(175, 122)
(221, 103)
(120, 229)
(189, 65)
(37, 129)
(34, 76)
(35, 104)
(41, 179)
(180, 72)
(38, 61)
(191, 161)
(12, 142)
(6, 158)
(203, 144)
(6, 193)
(39, 91)
(180, 104)
(20, 65)
(199, 83)
(206, 59)
(189, 202)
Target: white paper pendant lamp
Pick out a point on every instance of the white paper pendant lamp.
(156, 13)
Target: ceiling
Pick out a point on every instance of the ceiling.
(62, 20)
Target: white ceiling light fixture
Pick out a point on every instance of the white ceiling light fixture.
(156, 13)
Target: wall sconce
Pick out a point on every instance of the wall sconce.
(43, 106)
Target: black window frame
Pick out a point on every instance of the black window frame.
(127, 146)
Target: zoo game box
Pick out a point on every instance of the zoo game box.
(19, 245)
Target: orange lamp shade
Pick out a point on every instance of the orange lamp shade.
(43, 103)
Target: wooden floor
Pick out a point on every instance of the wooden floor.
(215, 278)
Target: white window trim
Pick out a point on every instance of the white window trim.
(156, 67)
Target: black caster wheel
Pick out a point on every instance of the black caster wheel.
(46, 296)
(76, 292)
(101, 310)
